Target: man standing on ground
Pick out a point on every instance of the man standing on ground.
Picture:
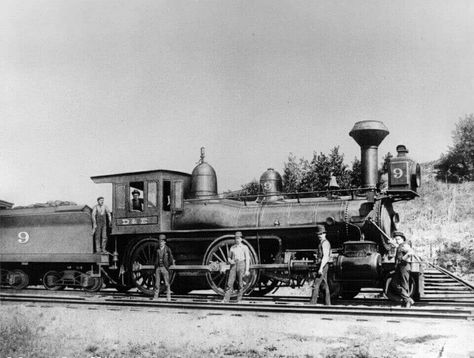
(239, 259)
(399, 288)
(323, 255)
(100, 215)
(164, 259)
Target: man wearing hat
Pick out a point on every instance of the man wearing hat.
(163, 260)
(239, 259)
(323, 254)
(100, 218)
(137, 202)
(399, 288)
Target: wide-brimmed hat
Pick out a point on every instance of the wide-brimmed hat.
(320, 229)
(135, 192)
(238, 234)
(162, 237)
(399, 233)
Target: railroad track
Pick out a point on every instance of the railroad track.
(442, 285)
(248, 305)
(447, 297)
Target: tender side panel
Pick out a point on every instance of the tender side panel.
(47, 237)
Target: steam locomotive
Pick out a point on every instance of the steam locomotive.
(54, 245)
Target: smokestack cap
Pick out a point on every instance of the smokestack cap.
(369, 133)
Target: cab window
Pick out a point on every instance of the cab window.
(136, 196)
(178, 196)
(120, 196)
(151, 195)
(166, 195)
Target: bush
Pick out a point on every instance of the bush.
(457, 165)
(441, 222)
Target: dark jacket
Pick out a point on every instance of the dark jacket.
(402, 250)
(320, 253)
(168, 259)
(137, 204)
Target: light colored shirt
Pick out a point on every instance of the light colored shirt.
(240, 253)
(100, 210)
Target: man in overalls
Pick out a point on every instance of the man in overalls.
(323, 254)
(100, 215)
(239, 259)
(164, 259)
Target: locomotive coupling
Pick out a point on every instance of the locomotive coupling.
(115, 259)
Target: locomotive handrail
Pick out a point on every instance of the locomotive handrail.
(386, 243)
(235, 195)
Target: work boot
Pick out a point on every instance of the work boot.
(409, 303)
(226, 297)
(239, 296)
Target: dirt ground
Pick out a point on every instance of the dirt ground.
(42, 330)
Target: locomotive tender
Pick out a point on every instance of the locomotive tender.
(54, 246)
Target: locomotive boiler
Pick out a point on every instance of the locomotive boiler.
(199, 222)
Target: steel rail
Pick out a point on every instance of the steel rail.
(450, 274)
(247, 306)
(425, 302)
(383, 302)
(371, 306)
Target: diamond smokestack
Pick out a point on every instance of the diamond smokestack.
(369, 135)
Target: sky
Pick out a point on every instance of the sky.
(100, 87)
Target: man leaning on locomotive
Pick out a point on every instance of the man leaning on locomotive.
(137, 202)
(399, 286)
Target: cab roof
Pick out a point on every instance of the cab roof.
(147, 174)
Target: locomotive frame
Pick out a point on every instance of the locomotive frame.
(200, 223)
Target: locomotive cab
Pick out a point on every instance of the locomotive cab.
(145, 202)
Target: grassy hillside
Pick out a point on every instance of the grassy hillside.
(440, 222)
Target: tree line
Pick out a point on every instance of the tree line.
(457, 165)
(301, 175)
